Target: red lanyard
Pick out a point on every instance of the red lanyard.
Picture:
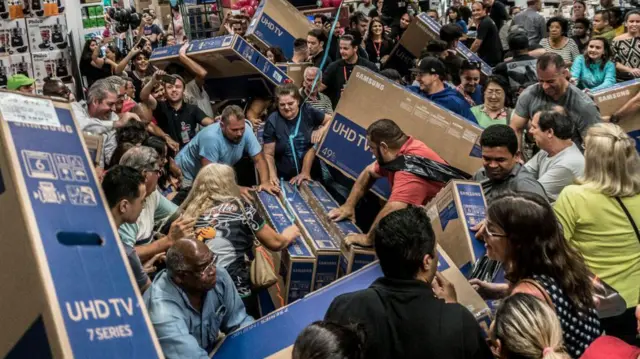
(377, 48)
(344, 69)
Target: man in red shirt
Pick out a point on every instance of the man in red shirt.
(387, 142)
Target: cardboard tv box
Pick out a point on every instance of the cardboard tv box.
(352, 257)
(47, 33)
(298, 267)
(277, 23)
(69, 290)
(235, 69)
(294, 71)
(326, 251)
(369, 97)
(467, 296)
(613, 98)
(279, 330)
(422, 30)
(459, 206)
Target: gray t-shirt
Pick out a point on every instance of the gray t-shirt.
(139, 274)
(519, 180)
(533, 23)
(577, 104)
(557, 172)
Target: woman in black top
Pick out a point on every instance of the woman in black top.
(377, 44)
(398, 29)
(92, 66)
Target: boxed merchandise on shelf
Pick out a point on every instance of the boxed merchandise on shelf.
(47, 34)
(5, 70)
(21, 64)
(18, 40)
(52, 64)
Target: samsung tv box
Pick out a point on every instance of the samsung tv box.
(369, 97)
(298, 266)
(235, 69)
(277, 23)
(422, 30)
(279, 330)
(352, 257)
(458, 207)
(68, 289)
(611, 99)
(326, 251)
(294, 71)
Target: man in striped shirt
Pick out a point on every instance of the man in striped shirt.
(316, 99)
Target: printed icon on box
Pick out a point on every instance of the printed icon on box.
(47, 193)
(81, 195)
(39, 165)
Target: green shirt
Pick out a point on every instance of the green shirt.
(484, 120)
(598, 227)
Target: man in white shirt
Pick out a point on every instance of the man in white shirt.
(559, 161)
(96, 115)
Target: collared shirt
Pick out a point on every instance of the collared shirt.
(320, 102)
(183, 331)
(180, 124)
(518, 180)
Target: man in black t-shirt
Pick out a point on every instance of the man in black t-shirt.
(175, 117)
(497, 11)
(316, 43)
(337, 74)
(487, 43)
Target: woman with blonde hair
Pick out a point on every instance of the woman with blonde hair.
(525, 327)
(229, 225)
(601, 215)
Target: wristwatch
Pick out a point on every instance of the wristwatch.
(614, 118)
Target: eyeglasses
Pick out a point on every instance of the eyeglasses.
(200, 273)
(492, 234)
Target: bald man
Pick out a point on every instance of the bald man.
(191, 300)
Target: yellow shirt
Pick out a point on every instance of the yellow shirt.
(619, 30)
(598, 227)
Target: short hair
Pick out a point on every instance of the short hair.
(560, 124)
(470, 65)
(551, 58)
(133, 131)
(434, 10)
(393, 75)
(288, 89)
(323, 339)
(517, 40)
(586, 22)
(313, 68)
(232, 110)
(500, 136)
(299, 44)
(386, 131)
(116, 82)
(100, 90)
(451, 32)
(349, 37)
(485, 7)
(175, 261)
(121, 182)
(402, 239)
(51, 87)
(617, 13)
(157, 143)
(564, 24)
(318, 34)
(357, 17)
(605, 15)
(142, 158)
(324, 18)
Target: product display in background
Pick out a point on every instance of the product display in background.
(92, 16)
(369, 97)
(5, 70)
(56, 308)
(18, 38)
(46, 34)
(613, 98)
(52, 64)
(21, 64)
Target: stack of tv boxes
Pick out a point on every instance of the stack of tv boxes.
(35, 43)
(318, 256)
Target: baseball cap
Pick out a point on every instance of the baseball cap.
(16, 81)
(450, 32)
(517, 39)
(431, 65)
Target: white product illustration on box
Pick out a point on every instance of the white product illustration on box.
(39, 165)
(81, 195)
(70, 168)
(17, 40)
(47, 193)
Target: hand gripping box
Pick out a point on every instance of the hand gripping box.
(298, 265)
(279, 330)
(277, 23)
(235, 69)
(68, 289)
(459, 206)
(613, 98)
(422, 30)
(327, 252)
(467, 296)
(352, 257)
(369, 97)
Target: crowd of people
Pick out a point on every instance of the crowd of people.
(562, 183)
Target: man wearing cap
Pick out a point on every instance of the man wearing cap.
(21, 83)
(521, 68)
(175, 117)
(431, 76)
